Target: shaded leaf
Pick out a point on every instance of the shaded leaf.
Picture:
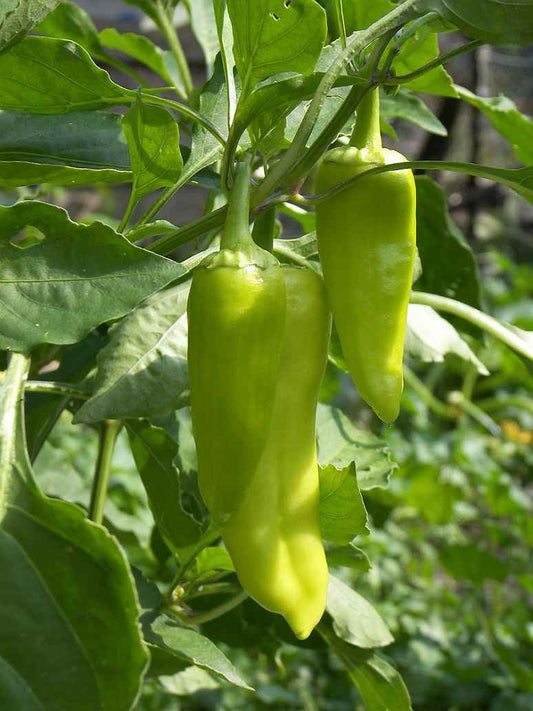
(154, 452)
(185, 645)
(18, 17)
(153, 140)
(142, 372)
(74, 279)
(340, 444)
(43, 75)
(69, 575)
(342, 510)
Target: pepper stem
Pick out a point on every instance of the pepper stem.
(237, 227)
(367, 131)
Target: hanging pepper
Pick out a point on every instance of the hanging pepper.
(258, 337)
(367, 244)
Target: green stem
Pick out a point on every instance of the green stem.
(388, 23)
(427, 397)
(53, 388)
(210, 536)
(201, 617)
(476, 413)
(341, 21)
(127, 213)
(403, 36)
(186, 111)
(367, 131)
(166, 25)
(469, 313)
(520, 402)
(263, 230)
(439, 61)
(108, 436)
(237, 225)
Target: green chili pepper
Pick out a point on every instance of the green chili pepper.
(367, 244)
(258, 337)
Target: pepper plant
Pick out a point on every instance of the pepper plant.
(94, 328)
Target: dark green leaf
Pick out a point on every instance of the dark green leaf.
(472, 563)
(507, 22)
(53, 292)
(180, 644)
(154, 452)
(42, 75)
(342, 510)
(79, 148)
(142, 372)
(18, 17)
(349, 557)
(448, 264)
(68, 574)
(153, 140)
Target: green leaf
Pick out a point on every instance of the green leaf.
(211, 559)
(354, 619)
(432, 497)
(340, 444)
(178, 644)
(449, 266)
(142, 372)
(143, 50)
(411, 108)
(154, 452)
(507, 22)
(42, 75)
(504, 115)
(204, 26)
(348, 557)
(68, 21)
(418, 51)
(153, 140)
(68, 574)
(205, 149)
(342, 510)
(473, 564)
(18, 17)
(81, 148)
(273, 36)
(74, 279)
(379, 684)
(430, 338)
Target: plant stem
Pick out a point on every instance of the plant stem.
(237, 225)
(400, 15)
(166, 25)
(367, 131)
(427, 397)
(520, 402)
(127, 213)
(54, 388)
(186, 111)
(476, 413)
(108, 436)
(201, 617)
(469, 313)
(210, 536)
(439, 61)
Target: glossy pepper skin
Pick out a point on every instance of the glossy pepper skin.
(367, 245)
(258, 336)
(274, 537)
